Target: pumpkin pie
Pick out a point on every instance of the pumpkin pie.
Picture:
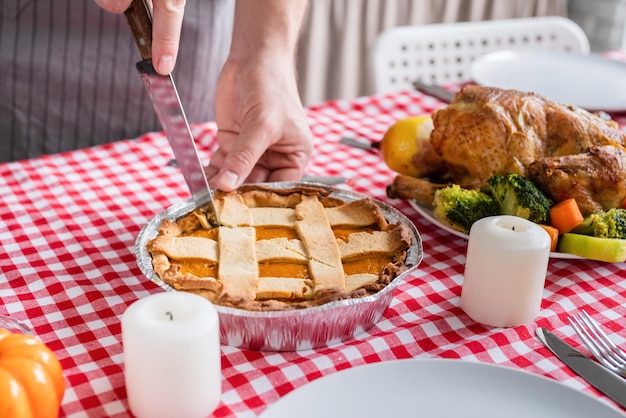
(280, 249)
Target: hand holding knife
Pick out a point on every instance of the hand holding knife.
(167, 105)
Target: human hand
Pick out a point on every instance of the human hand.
(167, 20)
(263, 134)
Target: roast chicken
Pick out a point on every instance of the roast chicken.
(566, 150)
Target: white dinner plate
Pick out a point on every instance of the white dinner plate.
(590, 81)
(427, 213)
(439, 388)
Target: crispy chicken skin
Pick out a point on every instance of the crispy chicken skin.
(487, 131)
(596, 178)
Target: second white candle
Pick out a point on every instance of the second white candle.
(505, 271)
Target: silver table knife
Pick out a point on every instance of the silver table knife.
(167, 105)
(434, 90)
(327, 180)
(597, 375)
(359, 144)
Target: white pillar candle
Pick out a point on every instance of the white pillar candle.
(505, 271)
(172, 356)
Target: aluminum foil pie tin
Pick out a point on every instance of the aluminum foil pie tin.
(298, 329)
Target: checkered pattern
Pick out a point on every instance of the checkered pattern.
(68, 224)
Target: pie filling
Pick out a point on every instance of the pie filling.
(279, 249)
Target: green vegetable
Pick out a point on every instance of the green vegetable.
(606, 224)
(460, 208)
(518, 196)
(611, 250)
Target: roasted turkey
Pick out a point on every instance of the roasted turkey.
(487, 131)
(594, 178)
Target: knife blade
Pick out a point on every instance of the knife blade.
(595, 374)
(168, 107)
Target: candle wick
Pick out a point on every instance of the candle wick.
(168, 313)
(513, 227)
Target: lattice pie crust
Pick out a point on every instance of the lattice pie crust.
(279, 249)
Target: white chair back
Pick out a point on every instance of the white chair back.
(442, 53)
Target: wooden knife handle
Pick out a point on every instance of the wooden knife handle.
(139, 17)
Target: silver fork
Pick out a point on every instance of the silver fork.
(596, 341)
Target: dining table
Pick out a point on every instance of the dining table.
(68, 269)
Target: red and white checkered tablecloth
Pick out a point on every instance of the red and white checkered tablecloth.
(68, 225)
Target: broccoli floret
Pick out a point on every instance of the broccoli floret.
(518, 196)
(460, 208)
(606, 224)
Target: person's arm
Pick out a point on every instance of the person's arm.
(167, 20)
(263, 132)
(271, 26)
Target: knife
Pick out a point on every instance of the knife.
(167, 106)
(327, 180)
(595, 374)
(434, 90)
(359, 144)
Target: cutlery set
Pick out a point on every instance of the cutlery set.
(607, 374)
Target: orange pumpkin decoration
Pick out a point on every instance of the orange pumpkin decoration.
(31, 377)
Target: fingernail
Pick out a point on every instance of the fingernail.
(228, 180)
(166, 64)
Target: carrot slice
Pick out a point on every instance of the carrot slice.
(565, 215)
(554, 236)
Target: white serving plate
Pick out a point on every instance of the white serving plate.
(439, 388)
(427, 213)
(590, 81)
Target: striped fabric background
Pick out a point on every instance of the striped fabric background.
(68, 77)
